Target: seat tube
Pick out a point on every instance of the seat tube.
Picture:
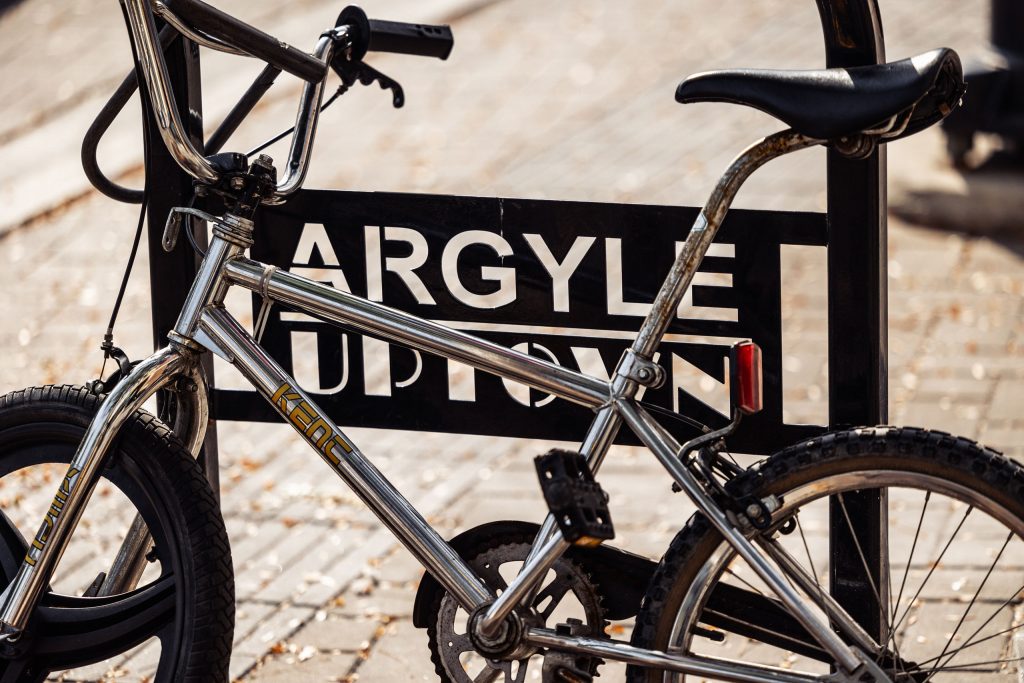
(600, 437)
(703, 232)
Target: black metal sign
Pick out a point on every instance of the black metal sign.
(569, 282)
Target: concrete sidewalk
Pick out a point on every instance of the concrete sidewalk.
(569, 100)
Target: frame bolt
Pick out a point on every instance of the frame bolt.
(237, 183)
(753, 510)
(187, 384)
(643, 374)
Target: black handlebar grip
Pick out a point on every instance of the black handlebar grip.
(249, 39)
(425, 40)
(376, 35)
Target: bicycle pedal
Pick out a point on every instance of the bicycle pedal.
(564, 667)
(709, 633)
(577, 501)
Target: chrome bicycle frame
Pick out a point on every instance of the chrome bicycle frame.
(205, 324)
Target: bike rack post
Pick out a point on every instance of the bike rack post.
(857, 316)
(170, 275)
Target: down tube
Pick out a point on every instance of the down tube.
(226, 337)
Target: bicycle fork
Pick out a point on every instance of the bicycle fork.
(46, 548)
(231, 236)
(191, 416)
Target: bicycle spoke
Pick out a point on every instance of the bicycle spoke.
(106, 629)
(941, 512)
(970, 640)
(967, 645)
(932, 569)
(810, 560)
(874, 588)
(974, 667)
(894, 606)
(974, 598)
(746, 583)
(910, 559)
(860, 550)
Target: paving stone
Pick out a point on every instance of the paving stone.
(331, 631)
(956, 418)
(380, 602)
(304, 667)
(393, 653)
(277, 628)
(248, 616)
(320, 582)
(933, 388)
(399, 568)
(1009, 440)
(267, 567)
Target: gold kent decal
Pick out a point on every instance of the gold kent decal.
(51, 515)
(308, 421)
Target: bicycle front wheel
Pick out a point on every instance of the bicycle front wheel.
(176, 625)
(950, 593)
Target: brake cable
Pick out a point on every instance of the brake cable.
(283, 134)
(350, 72)
(107, 345)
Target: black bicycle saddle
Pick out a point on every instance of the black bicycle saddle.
(830, 104)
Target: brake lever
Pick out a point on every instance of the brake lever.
(352, 72)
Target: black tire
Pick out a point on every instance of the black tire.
(184, 604)
(956, 558)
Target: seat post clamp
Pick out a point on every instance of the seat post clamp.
(642, 371)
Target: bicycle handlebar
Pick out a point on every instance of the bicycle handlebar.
(213, 28)
(377, 35)
(248, 39)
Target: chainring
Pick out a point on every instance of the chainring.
(567, 592)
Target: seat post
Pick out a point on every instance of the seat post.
(704, 230)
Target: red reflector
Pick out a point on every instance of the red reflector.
(746, 359)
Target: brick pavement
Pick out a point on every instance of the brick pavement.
(537, 100)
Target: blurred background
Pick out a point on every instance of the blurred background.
(567, 100)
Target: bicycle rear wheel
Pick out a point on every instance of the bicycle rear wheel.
(951, 596)
(177, 624)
